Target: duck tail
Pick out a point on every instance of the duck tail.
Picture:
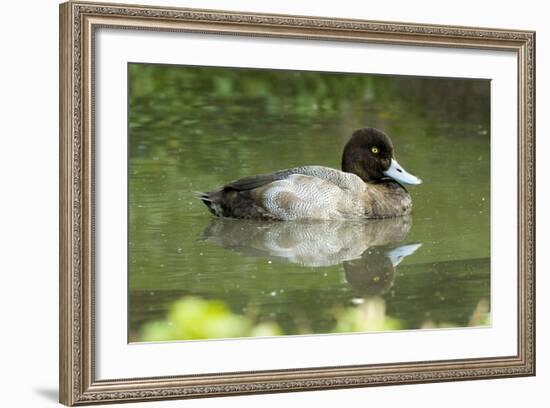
(210, 201)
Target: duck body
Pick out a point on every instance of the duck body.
(309, 192)
(318, 192)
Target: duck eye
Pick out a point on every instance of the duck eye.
(374, 150)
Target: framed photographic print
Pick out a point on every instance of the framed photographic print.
(260, 203)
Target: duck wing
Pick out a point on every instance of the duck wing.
(341, 179)
(234, 199)
(259, 180)
(256, 196)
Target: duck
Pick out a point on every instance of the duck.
(369, 185)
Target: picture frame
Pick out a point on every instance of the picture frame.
(79, 24)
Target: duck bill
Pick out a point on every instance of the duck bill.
(399, 174)
(396, 255)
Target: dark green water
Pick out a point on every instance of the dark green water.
(192, 276)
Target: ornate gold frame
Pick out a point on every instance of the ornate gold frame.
(78, 22)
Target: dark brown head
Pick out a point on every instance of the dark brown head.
(369, 155)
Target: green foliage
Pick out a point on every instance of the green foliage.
(192, 318)
(369, 316)
(195, 318)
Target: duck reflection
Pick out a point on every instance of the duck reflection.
(369, 250)
(374, 272)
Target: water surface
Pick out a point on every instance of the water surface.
(193, 276)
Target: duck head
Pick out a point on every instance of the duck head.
(369, 155)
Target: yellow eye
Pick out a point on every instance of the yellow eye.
(374, 150)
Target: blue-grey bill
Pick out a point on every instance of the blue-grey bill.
(396, 255)
(398, 173)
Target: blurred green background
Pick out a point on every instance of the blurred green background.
(196, 128)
